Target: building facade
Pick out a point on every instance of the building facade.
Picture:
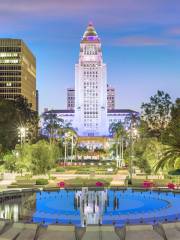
(70, 98)
(17, 71)
(110, 98)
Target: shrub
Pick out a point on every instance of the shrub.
(81, 182)
(41, 181)
(59, 169)
(25, 181)
(174, 172)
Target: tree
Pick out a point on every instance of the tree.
(171, 139)
(23, 157)
(82, 151)
(156, 113)
(51, 124)
(10, 162)
(67, 136)
(8, 123)
(27, 118)
(42, 156)
(37, 158)
(13, 114)
(146, 153)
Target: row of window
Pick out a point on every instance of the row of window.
(9, 61)
(90, 72)
(10, 79)
(90, 112)
(9, 96)
(10, 90)
(4, 55)
(10, 49)
(9, 84)
(10, 67)
(90, 95)
(89, 65)
(93, 105)
(90, 125)
(10, 73)
(87, 117)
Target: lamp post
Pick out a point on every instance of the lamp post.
(133, 136)
(65, 147)
(72, 148)
(22, 135)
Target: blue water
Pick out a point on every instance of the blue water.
(105, 207)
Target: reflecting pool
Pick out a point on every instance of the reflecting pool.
(85, 206)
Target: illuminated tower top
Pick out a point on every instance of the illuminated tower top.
(90, 35)
(90, 46)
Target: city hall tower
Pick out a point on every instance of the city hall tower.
(91, 87)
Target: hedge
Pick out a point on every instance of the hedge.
(80, 182)
(41, 181)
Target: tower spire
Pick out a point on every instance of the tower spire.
(90, 24)
(90, 34)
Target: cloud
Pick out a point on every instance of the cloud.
(174, 31)
(139, 41)
(59, 20)
(145, 41)
(105, 12)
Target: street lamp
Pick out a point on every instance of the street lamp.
(133, 136)
(66, 135)
(22, 135)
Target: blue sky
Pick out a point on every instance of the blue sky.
(140, 39)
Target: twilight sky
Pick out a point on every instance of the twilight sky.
(140, 39)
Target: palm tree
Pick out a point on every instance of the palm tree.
(170, 158)
(171, 138)
(119, 133)
(67, 136)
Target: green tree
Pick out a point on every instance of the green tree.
(8, 123)
(146, 153)
(171, 139)
(157, 113)
(67, 139)
(120, 135)
(43, 157)
(51, 124)
(23, 157)
(10, 162)
(14, 114)
(81, 151)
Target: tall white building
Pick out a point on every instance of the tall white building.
(91, 105)
(91, 87)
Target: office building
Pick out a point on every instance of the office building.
(17, 71)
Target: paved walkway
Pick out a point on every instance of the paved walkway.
(119, 178)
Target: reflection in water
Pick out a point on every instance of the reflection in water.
(91, 204)
(18, 207)
(9, 211)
